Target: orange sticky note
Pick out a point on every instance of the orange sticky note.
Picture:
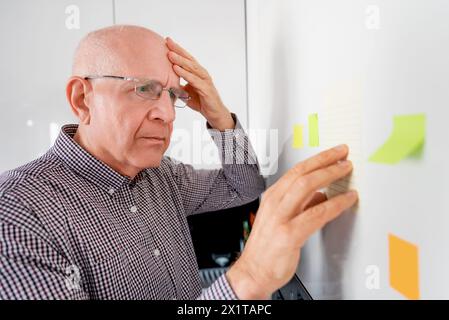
(404, 267)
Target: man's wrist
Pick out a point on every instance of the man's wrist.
(223, 121)
(244, 285)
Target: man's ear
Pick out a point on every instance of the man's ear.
(78, 91)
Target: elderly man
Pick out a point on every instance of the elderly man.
(102, 215)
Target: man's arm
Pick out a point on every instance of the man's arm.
(236, 183)
(30, 265)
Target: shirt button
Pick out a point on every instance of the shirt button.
(157, 253)
(133, 209)
(111, 191)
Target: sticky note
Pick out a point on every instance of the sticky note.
(404, 271)
(298, 136)
(406, 140)
(314, 140)
(340, 122)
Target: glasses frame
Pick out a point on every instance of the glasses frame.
(136, 80)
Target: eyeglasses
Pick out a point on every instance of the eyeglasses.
(152, 90)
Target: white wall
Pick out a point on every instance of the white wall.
(298, 50)
(37, 49)
(35, 63)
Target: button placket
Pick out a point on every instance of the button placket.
(128, 201)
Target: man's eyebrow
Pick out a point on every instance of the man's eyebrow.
(126, 85)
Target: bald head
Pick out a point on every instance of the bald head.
(118, 50)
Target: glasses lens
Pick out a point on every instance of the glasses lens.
(153, 89)
(179, 103)
(149, 90)
(182, 97)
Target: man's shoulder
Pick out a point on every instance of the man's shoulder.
(22, 191)
(29, 176)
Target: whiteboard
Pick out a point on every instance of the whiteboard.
(358, 65)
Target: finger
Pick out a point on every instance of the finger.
(188, 65)
(304, 187)
(317, 216)
(317, 198)
(178, 49)
(322, 160)
(192, 79)
(189, 89)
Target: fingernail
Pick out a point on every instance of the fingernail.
(352, 194)
(340, 147)
(344, 163)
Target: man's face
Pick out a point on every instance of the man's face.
(131, 130)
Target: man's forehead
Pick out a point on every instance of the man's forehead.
(125, 50)
(166, 81)
(166, 78)
(149, 66)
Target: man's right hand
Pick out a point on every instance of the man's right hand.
(285, 220)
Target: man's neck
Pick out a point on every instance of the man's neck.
(103, 155)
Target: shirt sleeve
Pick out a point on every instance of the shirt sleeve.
(237, 182)
(220, 289)
(31, 267)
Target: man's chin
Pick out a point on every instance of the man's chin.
(148, 162)
(146, 158)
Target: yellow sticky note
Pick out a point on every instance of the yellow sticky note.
(404, 271)
(314, 140)
(407, 139)
(298, 136)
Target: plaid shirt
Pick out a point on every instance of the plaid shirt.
(73, 228)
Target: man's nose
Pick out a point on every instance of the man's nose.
(163, 109)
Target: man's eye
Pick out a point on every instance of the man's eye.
(152, 89)
(143, 89)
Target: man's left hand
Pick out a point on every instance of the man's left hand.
(204, 96)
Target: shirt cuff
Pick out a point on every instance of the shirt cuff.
(234, 117)
(219, 290)
(233, 144)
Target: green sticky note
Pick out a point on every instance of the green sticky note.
(298, 130)
(314, 140)
(406, 140)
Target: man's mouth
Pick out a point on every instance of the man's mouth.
(154, 139)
